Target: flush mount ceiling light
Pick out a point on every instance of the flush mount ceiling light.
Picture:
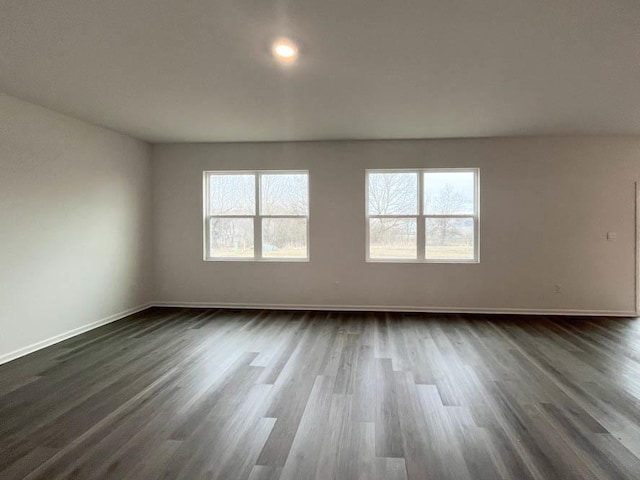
(284, 50)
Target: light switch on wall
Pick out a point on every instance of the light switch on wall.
(611, 236)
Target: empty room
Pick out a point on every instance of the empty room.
(322, 239)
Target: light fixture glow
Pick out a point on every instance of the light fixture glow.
(285, 50)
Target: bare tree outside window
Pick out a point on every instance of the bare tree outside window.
(393, 206)
(441, 226)
(276, 217)
(231, 196)
(285, 200)
(393, 193)
(449, 195)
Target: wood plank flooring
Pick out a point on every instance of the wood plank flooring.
(219, 394)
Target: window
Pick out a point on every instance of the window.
(428, 215)
(256, 215)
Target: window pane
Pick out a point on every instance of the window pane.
(449, 239)
(284, 194)
(231, 237)
(449, 193)
(392, 238)
(284, 237)
(393, 193)
(232, 194)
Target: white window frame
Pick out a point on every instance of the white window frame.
(257, 218)
(421, 217)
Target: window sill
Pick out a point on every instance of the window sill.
(408, 260)
(257, 260)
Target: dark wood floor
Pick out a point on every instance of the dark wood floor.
(190, 394)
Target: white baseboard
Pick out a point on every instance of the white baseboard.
(386, 308)
(7, 357)
(21, 352)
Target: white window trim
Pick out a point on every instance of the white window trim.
(421, 217)
(257, 218)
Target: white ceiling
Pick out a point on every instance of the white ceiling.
(201, 70)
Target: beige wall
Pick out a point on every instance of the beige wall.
(74, 224)
(81, 241)
(546, 207)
